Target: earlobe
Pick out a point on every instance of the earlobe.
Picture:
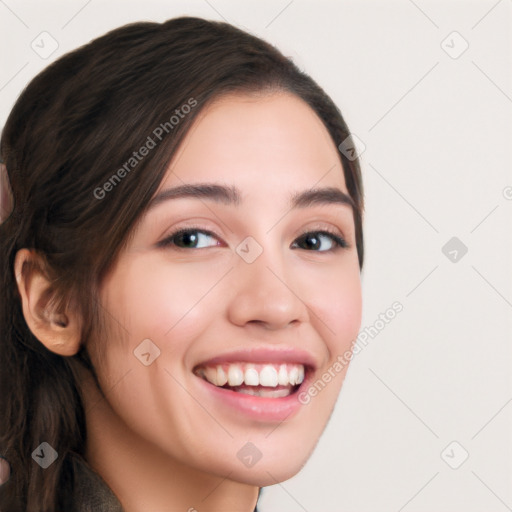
(59, 331)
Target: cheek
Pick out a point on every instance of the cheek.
(155, 299)
(346, 311)
(170, 305)
(338, 306)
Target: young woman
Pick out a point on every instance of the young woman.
(180, 271)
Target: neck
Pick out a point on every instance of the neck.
(143, 477)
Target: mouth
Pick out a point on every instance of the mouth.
(261, 384)
(265, 380)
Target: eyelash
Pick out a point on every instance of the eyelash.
(339, 242)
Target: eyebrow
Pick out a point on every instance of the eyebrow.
(230, 195)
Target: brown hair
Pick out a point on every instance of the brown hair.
(74, 126)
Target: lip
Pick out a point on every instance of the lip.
(266, 410)
(269, 410)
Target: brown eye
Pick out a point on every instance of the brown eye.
(189, 238)
(313, 240)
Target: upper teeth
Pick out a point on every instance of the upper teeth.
(237, 374)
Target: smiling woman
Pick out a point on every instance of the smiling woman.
(155, 340)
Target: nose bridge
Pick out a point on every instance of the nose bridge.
(263, 292)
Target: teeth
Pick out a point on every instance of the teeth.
(222, 378)
(268, 376)
(283, 376)
(293, 376)
(211, 375)
(266, 393)
(235, 375)
(300, 378)
(249, 374)
(251, 377)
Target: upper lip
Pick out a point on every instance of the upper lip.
(264, 355)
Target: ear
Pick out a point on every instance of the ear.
(58, 331)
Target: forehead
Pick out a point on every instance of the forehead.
(258, 140)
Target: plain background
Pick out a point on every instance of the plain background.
(435, 121)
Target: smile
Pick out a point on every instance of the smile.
(268, 380)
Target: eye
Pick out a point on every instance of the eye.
(189, 238)
(196, 238)
(313, 240)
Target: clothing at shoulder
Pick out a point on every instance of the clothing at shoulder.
(90, 492)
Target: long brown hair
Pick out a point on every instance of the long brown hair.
(73, 128)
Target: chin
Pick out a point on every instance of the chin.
(268, 475)
(272, 463)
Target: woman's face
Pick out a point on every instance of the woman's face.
(242, 294)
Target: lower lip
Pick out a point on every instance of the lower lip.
(257, 407)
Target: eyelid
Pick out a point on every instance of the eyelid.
(333, 228)
(322, 226)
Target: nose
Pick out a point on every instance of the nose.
(265, 294)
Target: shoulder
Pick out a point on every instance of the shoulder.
(90, 492)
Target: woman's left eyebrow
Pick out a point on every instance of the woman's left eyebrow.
(231, 195)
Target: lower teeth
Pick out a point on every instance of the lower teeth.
(264, 392)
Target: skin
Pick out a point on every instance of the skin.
(156, 439)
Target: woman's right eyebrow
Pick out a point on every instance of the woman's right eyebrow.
(213, 191)
(231, 195)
